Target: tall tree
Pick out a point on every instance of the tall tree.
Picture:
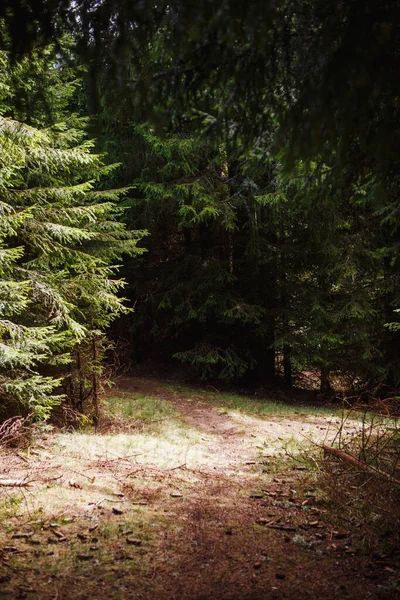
(308, 83)
(60, 239)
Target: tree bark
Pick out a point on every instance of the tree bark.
(287, 363)
(325, 385)
(95, 391)
(81, 390)
(287, 366)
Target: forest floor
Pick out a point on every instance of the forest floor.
(182, 494)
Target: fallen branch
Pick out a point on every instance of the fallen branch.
(281, 527)
(13, 483)
(360, 463)
(14, 431)
(22, 457)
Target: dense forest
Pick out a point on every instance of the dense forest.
(212, 184)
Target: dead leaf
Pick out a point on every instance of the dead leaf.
(59, 534)
(262, 521)
(117, 511)
(133, 542)
(74, 484)
(388, 569)
(282, 527)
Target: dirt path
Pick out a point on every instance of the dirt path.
(209, 504)
(232, 439)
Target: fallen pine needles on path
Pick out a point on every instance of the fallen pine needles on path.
(190, 499)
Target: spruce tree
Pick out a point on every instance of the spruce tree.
(201, 290)
(60, 239)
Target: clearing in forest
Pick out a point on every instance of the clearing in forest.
(181, 494)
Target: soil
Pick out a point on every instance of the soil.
(234, 513)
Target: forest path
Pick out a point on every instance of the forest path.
(232, 438)
(199, 500)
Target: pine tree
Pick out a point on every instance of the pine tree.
(60, 239)
(328, 318)
(22, 347)
(198, 291)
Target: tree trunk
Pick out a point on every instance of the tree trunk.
(79, 404)
(287, 366)
(392, 338)
(187, 236)
(95, 382)
(325, 385)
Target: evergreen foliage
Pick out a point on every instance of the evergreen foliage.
(268, 181)
(280, 274)
(60, 239)
(182, 196)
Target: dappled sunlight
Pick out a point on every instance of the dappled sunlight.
(192, 496)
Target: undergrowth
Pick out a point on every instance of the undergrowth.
(362, 484)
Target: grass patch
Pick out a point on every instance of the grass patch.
(264, 407)
(139, 406)
(10, 505)
(252, 406)
(173, 446)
